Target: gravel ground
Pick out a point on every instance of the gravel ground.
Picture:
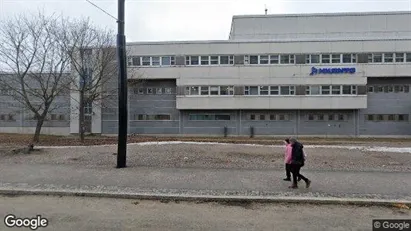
(73, 213)
(217, 156)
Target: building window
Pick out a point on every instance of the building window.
(336, 58)
(310, 117)
(192, 60)
(146, 61)
(214, 90)
(264, 90)
(388, 58)
(253, 59)
(377, 58)
(349, 58)
(152, 117)
(61, 117)
(330, 117)
(320, 117)
(226, 90)
(390, 88)
(341, 117)
(380, 117)
(155, 61)
(251, 90)
(380, 89)
(399, 57)
(205, 60)
(391, 117)
(287, 59)
(53, 117)
(272, 117)
(408, 57)
(252, 117)
(222, 117)
(168, 61)
(287, 90)
(283, 117)
(159, 91)
(346, 90)
(325, 90)
(313, 59)
(274, 59)
(262, 117)
(167, 90)
(325, 58)
(226, 59)
(141, 91)
(336, 90)
(274, 90)
(150, 91)
(213, 60)
(403, 117)
(313, 90)
(204, 90)
(370, 88)
(192, 90)
(264, 59)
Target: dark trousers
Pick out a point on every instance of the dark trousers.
(288, 171)
(295, 170)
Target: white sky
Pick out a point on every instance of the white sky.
(161, 20)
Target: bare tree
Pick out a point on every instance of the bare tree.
(93, 66)
(35, 64)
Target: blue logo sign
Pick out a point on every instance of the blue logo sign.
(315, 71)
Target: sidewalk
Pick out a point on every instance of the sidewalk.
(210, 182)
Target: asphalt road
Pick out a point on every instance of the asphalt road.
(330, 183)
(99, 214)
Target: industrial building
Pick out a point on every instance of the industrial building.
(334, 74)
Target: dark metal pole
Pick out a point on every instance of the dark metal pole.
(122, 89)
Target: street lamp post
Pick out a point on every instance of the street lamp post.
(122, 89)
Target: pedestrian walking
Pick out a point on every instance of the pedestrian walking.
(297, 161)
(287, 159)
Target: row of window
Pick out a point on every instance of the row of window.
(206, 60)
(51, 117)
(209, 90)
(389, 88)
(326, 117)
(209, 117)
(152, 117)
(153, 90)
(273, 117)
(387, 117)
(269, 90)
(331, 90)
(7, 117)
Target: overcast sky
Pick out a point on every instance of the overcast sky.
(161, 20)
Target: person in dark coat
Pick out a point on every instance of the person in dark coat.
(297, 161)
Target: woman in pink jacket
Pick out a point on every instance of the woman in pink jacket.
(287, 159)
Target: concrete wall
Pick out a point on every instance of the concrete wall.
(336, 25)
(386, 103)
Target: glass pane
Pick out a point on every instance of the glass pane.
(389, 58)
(223, 59)
(222, 117)
(325, 58)
(155, 61)
(336, 58)
(273, 59)
(204, 90)
(347, 58)
(346, 90)
(315, 59)
(213, 90)
(325, 90)
(408, 57)
(194, 60)
(194, 91)
(314, 90)
(377, 58)
(224, 90)
(272, 117)
(264, 59)
(274, 90)
(146, 61)
(253, 59)
(285, 59)
(336, 90)
(253, 90)
(214, 60)
(399, 57)
(284, 90)
(165, 61)
(205, 60)
(264, 90)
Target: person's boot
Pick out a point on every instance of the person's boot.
(287, 179)
(293, 186)
(307, 184)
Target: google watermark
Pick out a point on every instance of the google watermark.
(398, 225)
(34, 223)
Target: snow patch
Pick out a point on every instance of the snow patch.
(363, 148)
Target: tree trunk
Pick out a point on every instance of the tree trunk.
(39, 125)
(81, 116)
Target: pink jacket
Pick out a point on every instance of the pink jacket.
(288, 154)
